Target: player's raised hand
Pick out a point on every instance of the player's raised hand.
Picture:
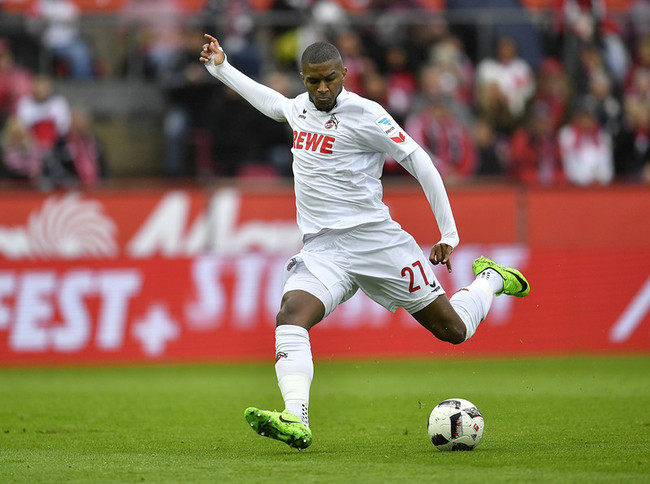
(440, 254)
(212, 50)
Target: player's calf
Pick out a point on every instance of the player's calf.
(442, 321)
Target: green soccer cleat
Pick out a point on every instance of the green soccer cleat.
(514, 282)
(282, 426)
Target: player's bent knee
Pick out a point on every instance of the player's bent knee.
(300, 308)
(452, 333)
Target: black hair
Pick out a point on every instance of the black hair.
(320, 52)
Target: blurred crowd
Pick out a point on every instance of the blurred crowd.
(561, 101)
(42, 138)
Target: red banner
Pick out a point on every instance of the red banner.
(189, 275)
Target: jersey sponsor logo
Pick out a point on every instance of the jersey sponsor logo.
(320, 143)
(387, 125)
(400, 138)
(332, 122)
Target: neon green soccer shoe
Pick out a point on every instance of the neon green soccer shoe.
(514, 282)
(282, 426)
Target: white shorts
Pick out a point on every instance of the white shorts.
(381, 259)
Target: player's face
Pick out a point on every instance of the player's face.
(324, 82)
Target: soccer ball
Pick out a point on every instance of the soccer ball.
(455, 424)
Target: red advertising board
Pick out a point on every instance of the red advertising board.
(187, 275)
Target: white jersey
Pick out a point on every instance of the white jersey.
(338, 157)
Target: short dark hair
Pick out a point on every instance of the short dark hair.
(320, 52)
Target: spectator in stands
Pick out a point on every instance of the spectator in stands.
(505, 84)
(270, 155)
(350, 45)
(608, 109)
(615, 53)
(534, 155)
(434, 83)
(374, 84)
(490, 159)
(154, 32)
(187, 90)
(20, 156)
(638, 20)
(45, 114)
(233, 123)
(15, 82)
(553, 92)
(456, 69)
(423, 38)
(401, 84)
(447, 140)
(632, 152)
(245, 55)
(56, 22)
(84, 156)
(285, 38)
(637, 83)
(586, 148)
(47, 117)
(577, 22)
(587, 23)
(590, 63)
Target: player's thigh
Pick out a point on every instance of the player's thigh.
(393, 271)
(306, 300)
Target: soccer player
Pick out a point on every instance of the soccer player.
(340, 142)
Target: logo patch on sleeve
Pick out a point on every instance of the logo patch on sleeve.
(388, 126)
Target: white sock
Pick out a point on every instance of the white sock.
(493, 277)
(294, 368)
(472, 303)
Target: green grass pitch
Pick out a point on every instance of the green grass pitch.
(577, 419)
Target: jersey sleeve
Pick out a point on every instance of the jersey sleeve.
(379, 132)
(421, 167)
(263, 98)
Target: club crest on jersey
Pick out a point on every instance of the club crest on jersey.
(332, 122)
(387, 125)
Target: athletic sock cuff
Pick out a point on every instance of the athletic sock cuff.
(291, 330)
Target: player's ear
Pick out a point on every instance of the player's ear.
(344, 72)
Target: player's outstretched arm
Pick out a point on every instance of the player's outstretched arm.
(263, 98)
(420, 165)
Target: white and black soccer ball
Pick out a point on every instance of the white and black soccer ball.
(455, 424)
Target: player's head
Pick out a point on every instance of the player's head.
(323, 74)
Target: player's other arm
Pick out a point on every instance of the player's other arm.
(420, 165)
(262, 98)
